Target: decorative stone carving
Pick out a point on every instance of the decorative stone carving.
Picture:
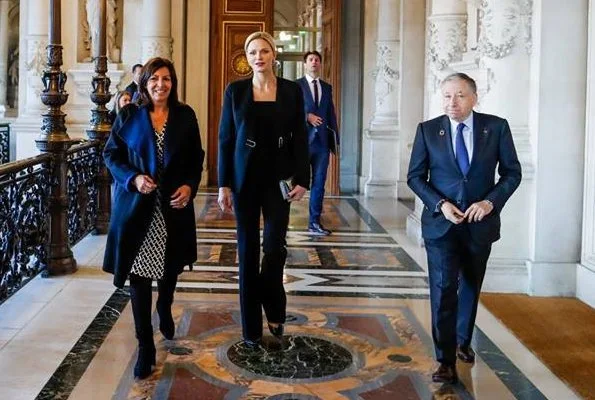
(157, 47)
(385, 73)
(501, 23)
(36, 55)
(90, 30)
(447, 39)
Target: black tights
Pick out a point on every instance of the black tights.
(141, 295)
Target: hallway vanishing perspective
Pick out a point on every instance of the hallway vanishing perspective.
(358, 325)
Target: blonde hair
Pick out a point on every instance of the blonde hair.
(264, 36)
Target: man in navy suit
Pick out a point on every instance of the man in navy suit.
(322, 134)
(452, 169)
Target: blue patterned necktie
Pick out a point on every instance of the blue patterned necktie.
(462, 154)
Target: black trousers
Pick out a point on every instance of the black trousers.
(456, 268)
(261, 284)
(141, 297)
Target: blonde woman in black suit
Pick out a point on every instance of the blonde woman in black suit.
(262, 140)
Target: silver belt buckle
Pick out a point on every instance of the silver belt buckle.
(250, 143)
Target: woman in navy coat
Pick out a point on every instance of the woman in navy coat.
(155, 156)
(262, 140)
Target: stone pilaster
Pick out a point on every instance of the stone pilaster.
(383, 134)
(156, 29)
(3, 55)
(34, 34)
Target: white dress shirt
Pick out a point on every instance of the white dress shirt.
(467, 135)
(311, 85)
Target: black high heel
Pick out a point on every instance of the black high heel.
(276, 331)
(252, 344)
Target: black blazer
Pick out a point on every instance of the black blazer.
(237, 136)
(434, 173)
(131, 150)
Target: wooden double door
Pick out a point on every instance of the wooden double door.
(230, 23)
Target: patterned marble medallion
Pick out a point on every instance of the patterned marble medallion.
(294, 357)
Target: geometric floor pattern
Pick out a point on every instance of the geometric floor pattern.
(358, 327)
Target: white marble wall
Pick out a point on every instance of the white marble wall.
(519, 62)
(585, 274)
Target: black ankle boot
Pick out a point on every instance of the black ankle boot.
(166, 322)
(144, 362)
(276, 331)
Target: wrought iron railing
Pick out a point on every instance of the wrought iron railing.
(24, 189)
(83, 167)
(4, 143)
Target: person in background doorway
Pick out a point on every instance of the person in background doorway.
(322, 134)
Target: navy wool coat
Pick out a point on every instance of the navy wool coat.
(131, 150)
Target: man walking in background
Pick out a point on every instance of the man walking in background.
(322, 134)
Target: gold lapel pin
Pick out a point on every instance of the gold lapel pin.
(441, 133)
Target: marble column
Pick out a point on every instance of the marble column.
(34, 34)
(557, 125)
(156, 29)
(3, 55)
(446, 44)
(383, 133)
(503, 47)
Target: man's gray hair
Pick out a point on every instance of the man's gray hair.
(462, 76)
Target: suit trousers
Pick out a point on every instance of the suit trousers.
(141, 296)
(319, 162)
(261, 283)
(456, 268)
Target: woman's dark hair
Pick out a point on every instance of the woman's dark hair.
(149, 69)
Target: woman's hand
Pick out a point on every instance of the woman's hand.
(144, 184)
(297, 193)
(224, 199)
(181, 197)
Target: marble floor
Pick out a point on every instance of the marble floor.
(357, 328)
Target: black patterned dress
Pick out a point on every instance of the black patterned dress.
(150, 260)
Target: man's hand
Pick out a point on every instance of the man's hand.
(452, 213)
(477, 211)
(314, 119)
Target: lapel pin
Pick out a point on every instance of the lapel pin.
(485, 131)
(441, 133)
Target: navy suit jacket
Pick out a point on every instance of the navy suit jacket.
(237, 136)
(434, 173)
(131, 150)
(325, 110)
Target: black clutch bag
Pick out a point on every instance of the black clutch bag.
(285, 186)
(333, 140)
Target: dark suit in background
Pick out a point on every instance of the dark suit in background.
(319, 141)
(460, 251)
(259, 144)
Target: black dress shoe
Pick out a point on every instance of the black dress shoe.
(276, 331)
(144, 362)
(445, 374)
(318, 230)
(466, 354)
